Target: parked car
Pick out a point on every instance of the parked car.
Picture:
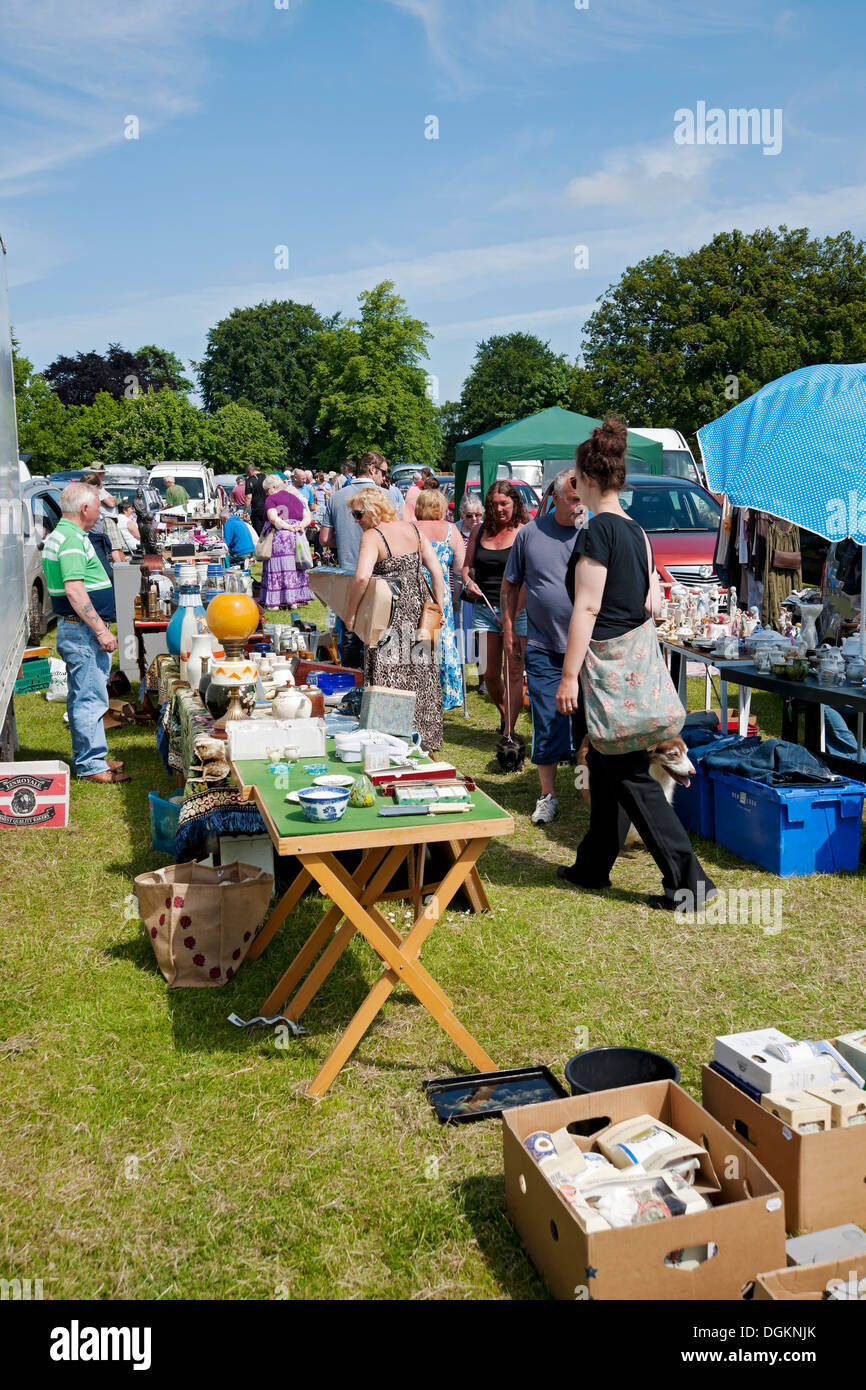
(193, 475)
(67, 475)
(41, 513)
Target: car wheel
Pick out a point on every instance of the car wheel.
(35, 612)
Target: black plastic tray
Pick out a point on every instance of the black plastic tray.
(451, 1096)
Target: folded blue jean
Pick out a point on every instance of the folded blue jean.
(725, 754)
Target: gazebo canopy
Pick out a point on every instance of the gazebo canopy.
(549, 434)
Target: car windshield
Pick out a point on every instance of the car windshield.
(670, 508)
(678, 463)
(193, 485)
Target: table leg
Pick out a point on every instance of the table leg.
(400, 965)
(860, 738)
(708, 687)
(723, 701)
(472, 885)
(812, 721)
(744, 701)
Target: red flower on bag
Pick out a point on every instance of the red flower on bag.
(168, 902)
(247, 935)
(198, 960)
(229, 973)
(178, 902)
(189, 942)
(162, 919)
(185, 921)
(214, 973)
(629, 705)
(153, 932)
(236, 954)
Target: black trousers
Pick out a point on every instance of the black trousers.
(622, 791)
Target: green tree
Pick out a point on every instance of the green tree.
(165, 369)
(679, 339)
(92, 427)
(265, 357)
(373, 386)
(44, 423)
(78, 380)
(513, 375)
(237, 436)
(156, 425)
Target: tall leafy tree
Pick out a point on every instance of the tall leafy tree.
(237, 436)
(265, 357)
(78, 380)
(43, 421)
(158, 425)
(679, 339)
(165, 369)
(513, 375)
(373, 385)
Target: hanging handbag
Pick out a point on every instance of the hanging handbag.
(786, 559)
(303, 553)
(265, 543)
(431, 616)
(629, 698)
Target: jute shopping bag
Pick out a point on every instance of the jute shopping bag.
(201, 920)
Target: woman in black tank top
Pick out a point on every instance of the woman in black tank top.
(615, 589)
(487, 553)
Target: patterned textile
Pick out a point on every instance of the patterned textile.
(282, 582)
(450, 668)
(778, 584)
(629, 699)
(400, 662)
(219, 812)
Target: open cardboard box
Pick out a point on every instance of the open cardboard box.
(746, 1224)
(823, 1175)
(807, 1281)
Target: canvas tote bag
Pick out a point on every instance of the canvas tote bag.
(629, 698)
(201, 920)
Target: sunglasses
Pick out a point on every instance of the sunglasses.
(357, 515)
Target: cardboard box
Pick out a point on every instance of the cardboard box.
(846, 1101)
(747, 1224)
(853, 1048)
(807, 1282)
(35, 795)
(823, 1175)
(746, 1055)
(833, 1243)
(373, 617)
(798, 1109)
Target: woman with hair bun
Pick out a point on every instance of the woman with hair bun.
(615, 589)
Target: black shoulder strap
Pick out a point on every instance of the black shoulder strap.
(381, 533)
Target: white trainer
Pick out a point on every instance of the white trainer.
(546, 810)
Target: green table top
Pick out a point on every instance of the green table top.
(290, 822)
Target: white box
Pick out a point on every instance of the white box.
(745, 1055)
(251, 738)
(248, 849)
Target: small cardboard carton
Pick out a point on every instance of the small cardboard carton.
(809, 1282)
(853, 1048)
(34, 795)
(746, 1224)
(823, 1175)
(748, 1056)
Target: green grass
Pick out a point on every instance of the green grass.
(152, 1151)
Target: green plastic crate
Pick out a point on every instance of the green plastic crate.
(36, 676)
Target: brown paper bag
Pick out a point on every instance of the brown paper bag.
(201, 920)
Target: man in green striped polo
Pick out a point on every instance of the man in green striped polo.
(82, 596)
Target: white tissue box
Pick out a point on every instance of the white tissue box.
(745, 1055)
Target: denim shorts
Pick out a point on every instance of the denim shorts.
(555, 737)
(484, 621)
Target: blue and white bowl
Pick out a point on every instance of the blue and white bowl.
(324, 803)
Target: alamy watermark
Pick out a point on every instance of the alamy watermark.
(760, 907)
(736, 126)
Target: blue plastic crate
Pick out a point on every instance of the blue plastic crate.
(790, 830)
(695, 805)
(164, 816)
(331, 682)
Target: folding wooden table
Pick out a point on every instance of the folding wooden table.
(385, 844)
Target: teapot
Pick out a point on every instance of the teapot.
(855, 668)
(291, 704)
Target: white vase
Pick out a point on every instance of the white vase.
(202, 646)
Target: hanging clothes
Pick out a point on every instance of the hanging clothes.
(782, 539)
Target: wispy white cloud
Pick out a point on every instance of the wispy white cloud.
(535, 320)
(71, 73)
(658, 172)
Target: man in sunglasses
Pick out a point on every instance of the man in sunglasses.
(340, 531)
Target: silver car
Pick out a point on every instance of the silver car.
(41, 508)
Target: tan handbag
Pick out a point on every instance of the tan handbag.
(431, 619)
(264, 546)
(200, 920)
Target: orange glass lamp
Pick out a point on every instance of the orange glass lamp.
(233, 618)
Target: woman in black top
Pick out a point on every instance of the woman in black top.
(487, 552)
(614, 588)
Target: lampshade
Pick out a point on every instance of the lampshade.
(232, 617)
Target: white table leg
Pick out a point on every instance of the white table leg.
(708, 688)
(822, 746)
(745, 705)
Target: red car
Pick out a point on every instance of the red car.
(681, 520)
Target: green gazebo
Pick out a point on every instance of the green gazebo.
(549, 434)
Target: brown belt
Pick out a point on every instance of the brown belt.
(65, 618)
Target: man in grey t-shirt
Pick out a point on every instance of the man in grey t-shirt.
(539, 559)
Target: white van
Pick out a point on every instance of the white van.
(677, 458)
(191, 474)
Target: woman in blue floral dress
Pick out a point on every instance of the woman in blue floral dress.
(430, 509)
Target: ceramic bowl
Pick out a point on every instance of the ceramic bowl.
(323, 803)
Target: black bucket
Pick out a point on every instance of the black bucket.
(606, 1068)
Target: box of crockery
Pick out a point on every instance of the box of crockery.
(34, 795)
(672, 1241)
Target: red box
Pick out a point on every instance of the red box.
(34, 795)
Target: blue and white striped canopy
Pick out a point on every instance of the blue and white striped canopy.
(797, 449)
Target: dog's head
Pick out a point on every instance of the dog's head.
(673, 756)
(511, 752)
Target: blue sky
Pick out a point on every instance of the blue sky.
(305, 126)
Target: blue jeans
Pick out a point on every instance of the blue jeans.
(87, 668)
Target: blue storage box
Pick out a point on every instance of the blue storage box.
(695, 805)
(164, 816)
(331, 682)
(789, 830)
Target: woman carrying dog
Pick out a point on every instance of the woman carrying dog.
(487, 555)
(616, 595)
